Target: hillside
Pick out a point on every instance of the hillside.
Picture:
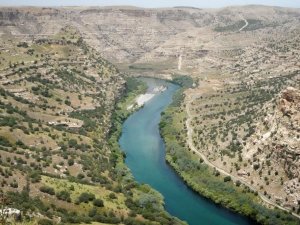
(58, 153)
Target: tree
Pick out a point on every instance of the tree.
(256, 166)
(98, 202)
(112, 196)
(48, 190)
(86, 197)
(71, 162)
(72, 143)
(227, 179)
(63, 195)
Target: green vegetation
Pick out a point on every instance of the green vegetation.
(207, 181)
(98, 203)
(183, 81)
(86, 197)
(143, 199)
(63, 195)
(133, 88)
(103, 190)
(48, 190)
(231, 28)
(149, 67)
(45, 222)
(253, 24)
(4, 142)
(226, 118)
(61, 148)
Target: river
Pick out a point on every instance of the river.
(145, 153)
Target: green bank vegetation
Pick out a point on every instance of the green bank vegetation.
(141, 199)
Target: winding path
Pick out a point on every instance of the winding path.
(246, 24)
(233, 177)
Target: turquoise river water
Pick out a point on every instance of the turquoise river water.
(145, 153)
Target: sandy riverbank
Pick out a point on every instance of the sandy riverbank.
(143, 98)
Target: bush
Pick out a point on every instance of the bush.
(45, 222)
(71, 162)
(80, 176)
(20, 144)
(22, 44)
(238, 183)
(98, 202)
(63, 195)
(112, 196)
(86, 197)
(4, 142)
(72, 143)
(48, 190)
(92, 212)
(67, 102)
(14, 184)
(35, 176)
(227, 179)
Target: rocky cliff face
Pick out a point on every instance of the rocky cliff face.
(287, 138)
(274, 149)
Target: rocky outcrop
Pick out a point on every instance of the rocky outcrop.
(275, 148)
(288, 151)
(290, 102)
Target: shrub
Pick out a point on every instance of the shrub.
(67, 102)
(45, 222)
(72, 143)
(227, 179)
(48, 190)
(80, 176)
(86, 197)
(63, 195)
(98, 202)
(35, 176)
(71, 162)
(92, 212)
(112, 196)
(20, 144)
(256, 166)
(4, 142)
(238, 183)
(14, 184)
(22, 44)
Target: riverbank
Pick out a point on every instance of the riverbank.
(145, 156)
(144, 97)
(145, 203)
(206, 181)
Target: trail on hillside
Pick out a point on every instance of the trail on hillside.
(246, 24)
(233, 177)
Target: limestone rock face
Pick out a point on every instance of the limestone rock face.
(275, 148)
(289, 131)
(290, 102)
